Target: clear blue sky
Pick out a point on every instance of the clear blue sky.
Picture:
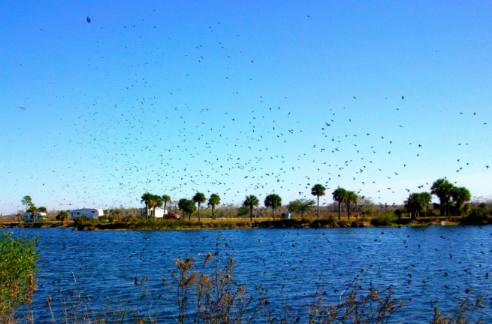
(239, 98)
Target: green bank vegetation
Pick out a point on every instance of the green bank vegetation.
(17, 274)
(348, 210)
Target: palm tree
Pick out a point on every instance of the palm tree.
(166, 199)
(151, 201)
(318, 190)
(273, 201)
(350, 197)
(199, 198)
(442, 188)
(157, 203)
(187, 207)
(154, 202)
(251, 201)
(147, 200)
(213, 201)
(339, 196)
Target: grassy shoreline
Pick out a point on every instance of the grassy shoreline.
(240, 223)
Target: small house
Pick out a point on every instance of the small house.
(156, 212)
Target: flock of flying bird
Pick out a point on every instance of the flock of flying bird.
(150, 139)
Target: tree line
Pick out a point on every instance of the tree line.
(452, 200)
(272, 201)
(31, 207)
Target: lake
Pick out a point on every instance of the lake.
(429, 267)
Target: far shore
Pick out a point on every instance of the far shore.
(241, 223)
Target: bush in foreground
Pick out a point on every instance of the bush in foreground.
(207, 291)
(17, 270)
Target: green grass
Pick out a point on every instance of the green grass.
(383, 219)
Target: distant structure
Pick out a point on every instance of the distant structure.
(34, 217)
(90, 213)
(158, 212)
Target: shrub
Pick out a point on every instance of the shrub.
(368, 210)
(242, 211)
(356, 307)
(17, 269)
(357, 223)
(128, 219)
(461, 315)
(105, 219)
(477, 216)
(219, 297)
(385, 219)
(62, 216)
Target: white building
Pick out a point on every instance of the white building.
(34, 217)
(158, 212)
(87, 212)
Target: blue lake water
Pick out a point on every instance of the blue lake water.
(434, 266)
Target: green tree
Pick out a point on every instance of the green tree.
(442, 188)
(42, 209)
(157, 202)
(418, 203)
(318, 190)
(300, 206)
(147, 200)
(339, 195)
(28, 204)
(151, 201)
(460, 196)
(165, 200)
(17, 272)
(251, 202)
(476, 216)
(213, 201)
(273, 201)
(187, 207)
(350, 198)
(242, 211)
(199, 198)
